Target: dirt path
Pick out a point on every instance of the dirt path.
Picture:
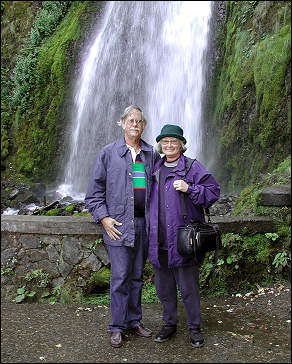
(246, 329)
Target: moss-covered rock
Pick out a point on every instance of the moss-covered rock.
(98, 282)
(248, 201)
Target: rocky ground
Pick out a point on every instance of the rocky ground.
(19, 199)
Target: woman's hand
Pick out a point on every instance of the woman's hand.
(180, 185)
(109, 225)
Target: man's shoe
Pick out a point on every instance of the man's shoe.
(116, 339)
(142, 331)
(197, 339)
(165, 333)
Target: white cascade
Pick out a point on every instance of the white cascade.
(148, 53)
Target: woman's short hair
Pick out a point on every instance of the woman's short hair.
(158, 146)
(128, 110)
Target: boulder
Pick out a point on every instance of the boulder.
(277, 195)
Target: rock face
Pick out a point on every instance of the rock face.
(276, 196)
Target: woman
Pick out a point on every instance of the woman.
(171, 270)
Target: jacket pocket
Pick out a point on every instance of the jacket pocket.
(116, 210)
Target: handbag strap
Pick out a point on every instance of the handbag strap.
(189, 163)
(184, 211)
(207, 212)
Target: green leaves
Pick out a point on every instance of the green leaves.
(272, 236)
(281, 260)
(39, 277)
(245, 258)
(23, 293)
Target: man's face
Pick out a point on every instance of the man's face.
(133, 124)
(171, 147)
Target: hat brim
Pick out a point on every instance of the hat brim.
(160, 136)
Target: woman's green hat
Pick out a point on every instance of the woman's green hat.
(170, 130)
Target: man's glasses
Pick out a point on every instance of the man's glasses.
(133, 121)
(171, 142)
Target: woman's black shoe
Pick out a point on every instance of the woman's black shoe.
(165, 333)
(197, 339)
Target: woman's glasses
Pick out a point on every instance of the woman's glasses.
(171, 142)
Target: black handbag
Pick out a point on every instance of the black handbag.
(198, 237)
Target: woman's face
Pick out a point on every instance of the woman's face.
(171, 147)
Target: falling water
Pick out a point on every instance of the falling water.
(147, 53)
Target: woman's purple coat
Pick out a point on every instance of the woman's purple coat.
(203, 190)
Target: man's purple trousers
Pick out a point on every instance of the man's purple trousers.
(126, 280)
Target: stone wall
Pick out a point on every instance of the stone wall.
(69, 249)
(62, 247)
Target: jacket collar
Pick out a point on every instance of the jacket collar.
(181, 163)
(179, 168)
(122, 147)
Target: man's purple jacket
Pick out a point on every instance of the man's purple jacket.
(203, 190)
(110, 190)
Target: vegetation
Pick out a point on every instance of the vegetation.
(34, 281)
(36, 83)
(249, 259)
(247, 203)
(249, 111)
(246, 260)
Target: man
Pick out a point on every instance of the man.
(118, 197)
(171, 270)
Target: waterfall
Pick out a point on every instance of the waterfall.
(147, 53)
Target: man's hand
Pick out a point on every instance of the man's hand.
(109, 225)
(180, 185)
